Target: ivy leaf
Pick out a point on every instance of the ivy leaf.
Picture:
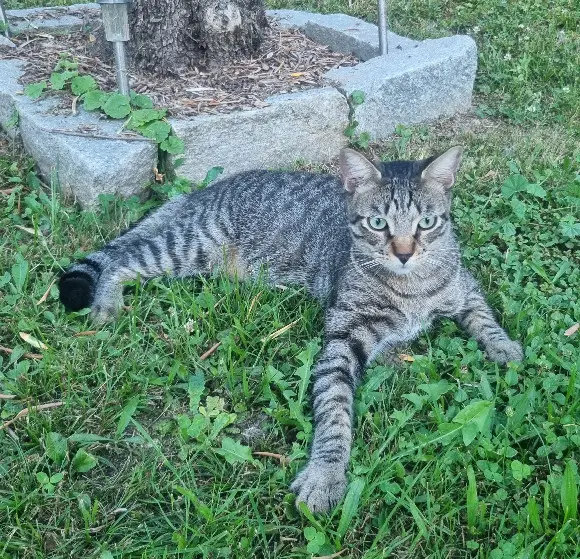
(58, 79)
(141, 101)
(34, 90)
(357, 97)
(173, 145)
(94, 99)
(157, 130)
(117, 106)
(56, 446)
(144, 116)
(513, 184)
(83, 84)
(233, 451)
(83, 461)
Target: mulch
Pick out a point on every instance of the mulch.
(287, 62)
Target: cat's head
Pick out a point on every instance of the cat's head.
(399, 211)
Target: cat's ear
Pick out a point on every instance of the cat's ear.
(443, 170)
(358, 173)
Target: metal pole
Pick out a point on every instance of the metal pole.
(4, 20)
(383, 41)
(121, 67)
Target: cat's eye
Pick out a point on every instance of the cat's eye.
(427, 222)
(377, 223)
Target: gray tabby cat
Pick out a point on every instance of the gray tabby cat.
(378, 250)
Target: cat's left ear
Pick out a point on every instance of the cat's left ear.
(358, 173)
(443, 170)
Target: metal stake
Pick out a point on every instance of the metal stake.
(383, 41)
(121, 67)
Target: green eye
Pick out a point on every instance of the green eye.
(427, 222)
(377, 223)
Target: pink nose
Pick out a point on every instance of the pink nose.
(404, 256)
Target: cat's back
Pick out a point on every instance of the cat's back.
(295, 222)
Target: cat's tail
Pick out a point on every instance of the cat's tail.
(78, 284)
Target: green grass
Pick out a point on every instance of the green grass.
(149, 455)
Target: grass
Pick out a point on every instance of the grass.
(149, 454)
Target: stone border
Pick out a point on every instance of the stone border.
(418, 81)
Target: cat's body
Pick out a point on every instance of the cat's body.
(379, 252)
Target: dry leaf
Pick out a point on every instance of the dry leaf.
(572, 330)
(279, 332)
(46, 293)
(7, 396)
(158, 176)
(297, 74)
(32, 341)
(405, 357)
(26, 229)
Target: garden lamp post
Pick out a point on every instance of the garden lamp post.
(383, 43)
(115, 15)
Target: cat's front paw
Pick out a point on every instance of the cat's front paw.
(320, 486)
(502, 351)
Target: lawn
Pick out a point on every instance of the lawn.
(151, 447)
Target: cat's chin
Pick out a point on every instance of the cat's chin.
(399, 270)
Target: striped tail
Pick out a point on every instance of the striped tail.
(78, 284)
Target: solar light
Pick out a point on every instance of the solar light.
(115, 14)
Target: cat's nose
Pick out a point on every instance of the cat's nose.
(403, 257)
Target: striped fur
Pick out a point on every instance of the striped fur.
(378, 250)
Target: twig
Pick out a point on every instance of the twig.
(85, 333)
(7, 396)
(26, 411)
(26, 355)
(210, 351)
(283, 459)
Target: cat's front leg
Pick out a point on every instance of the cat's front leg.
(478, 320)
(322, 482)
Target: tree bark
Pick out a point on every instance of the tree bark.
(170, 36)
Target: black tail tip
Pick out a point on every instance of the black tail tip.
(76, 290)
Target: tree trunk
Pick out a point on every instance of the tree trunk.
(170, 36)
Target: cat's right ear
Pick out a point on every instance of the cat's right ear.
(357, 172)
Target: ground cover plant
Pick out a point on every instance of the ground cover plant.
(176, 431)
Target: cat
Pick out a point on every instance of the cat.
(378, 250)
